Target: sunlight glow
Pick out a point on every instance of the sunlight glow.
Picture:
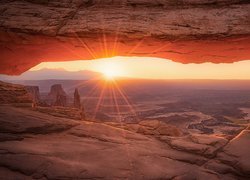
(153, 68)
(109, 75)
(110, 70)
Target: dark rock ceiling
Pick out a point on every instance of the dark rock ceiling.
(186, 31)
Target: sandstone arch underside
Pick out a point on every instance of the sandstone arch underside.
(187, 31)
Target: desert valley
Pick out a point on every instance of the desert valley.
(125, 129)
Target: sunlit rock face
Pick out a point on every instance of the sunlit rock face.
(187, 31)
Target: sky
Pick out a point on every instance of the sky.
(154, 68)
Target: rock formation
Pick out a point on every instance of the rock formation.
(34, 92)
(82, 112)
(14, 94)
(77, 99)
(150, 127)
(57, 95)
(55, 90)
(60, 111)
(60, 100)
(182, 30)
(79, 105)
(35, 145)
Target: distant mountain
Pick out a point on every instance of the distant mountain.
(45, 74)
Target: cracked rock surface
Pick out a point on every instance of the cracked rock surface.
(39, 146)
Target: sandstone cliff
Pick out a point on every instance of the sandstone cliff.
(34, 93)
(55, 90)
(14, 94)
(57, 95)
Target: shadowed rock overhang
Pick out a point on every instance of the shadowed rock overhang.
(186, 31)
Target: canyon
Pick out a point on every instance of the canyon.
(58, 129)
(37, 144)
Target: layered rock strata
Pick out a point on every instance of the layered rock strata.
(185, 31)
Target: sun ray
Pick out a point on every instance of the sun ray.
(85, 82)
(86, 46)
(125, 98)
(99, 101)
(116, 105)
(115, 45)
(135, 47)
(158, 49)
(69, 49)
(91, 93)
(105, 44)
(122, 129)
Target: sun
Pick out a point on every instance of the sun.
(109, 74)
(111, 69)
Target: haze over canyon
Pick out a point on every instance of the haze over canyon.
(125, 89)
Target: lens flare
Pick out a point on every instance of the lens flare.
(111, 70)
(109, 74)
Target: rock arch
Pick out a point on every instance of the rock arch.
(186, 31)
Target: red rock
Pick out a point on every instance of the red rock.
(60, 100)
(14, 94)
(34, 92)
(55, 90)
(184, 31)
(57, 95)
(77, 99)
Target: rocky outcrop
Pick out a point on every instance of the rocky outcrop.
(55, 90)
(61, 100)
(23, 121)
(233, 158)
(77, 99)
(150, 127)
(59, 111)
(34, 92)
(236, 153)
(51, 145)
(68, 149)
(57, 95)
(14, 94)
(185, 31)
(204, 145)
(78, 105)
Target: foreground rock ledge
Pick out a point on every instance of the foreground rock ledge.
(187, 31)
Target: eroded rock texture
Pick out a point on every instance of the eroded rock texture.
(34, 93)
(47, 143)
(77, 99)
(35, 145)
(32, 31)
(14, 94)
